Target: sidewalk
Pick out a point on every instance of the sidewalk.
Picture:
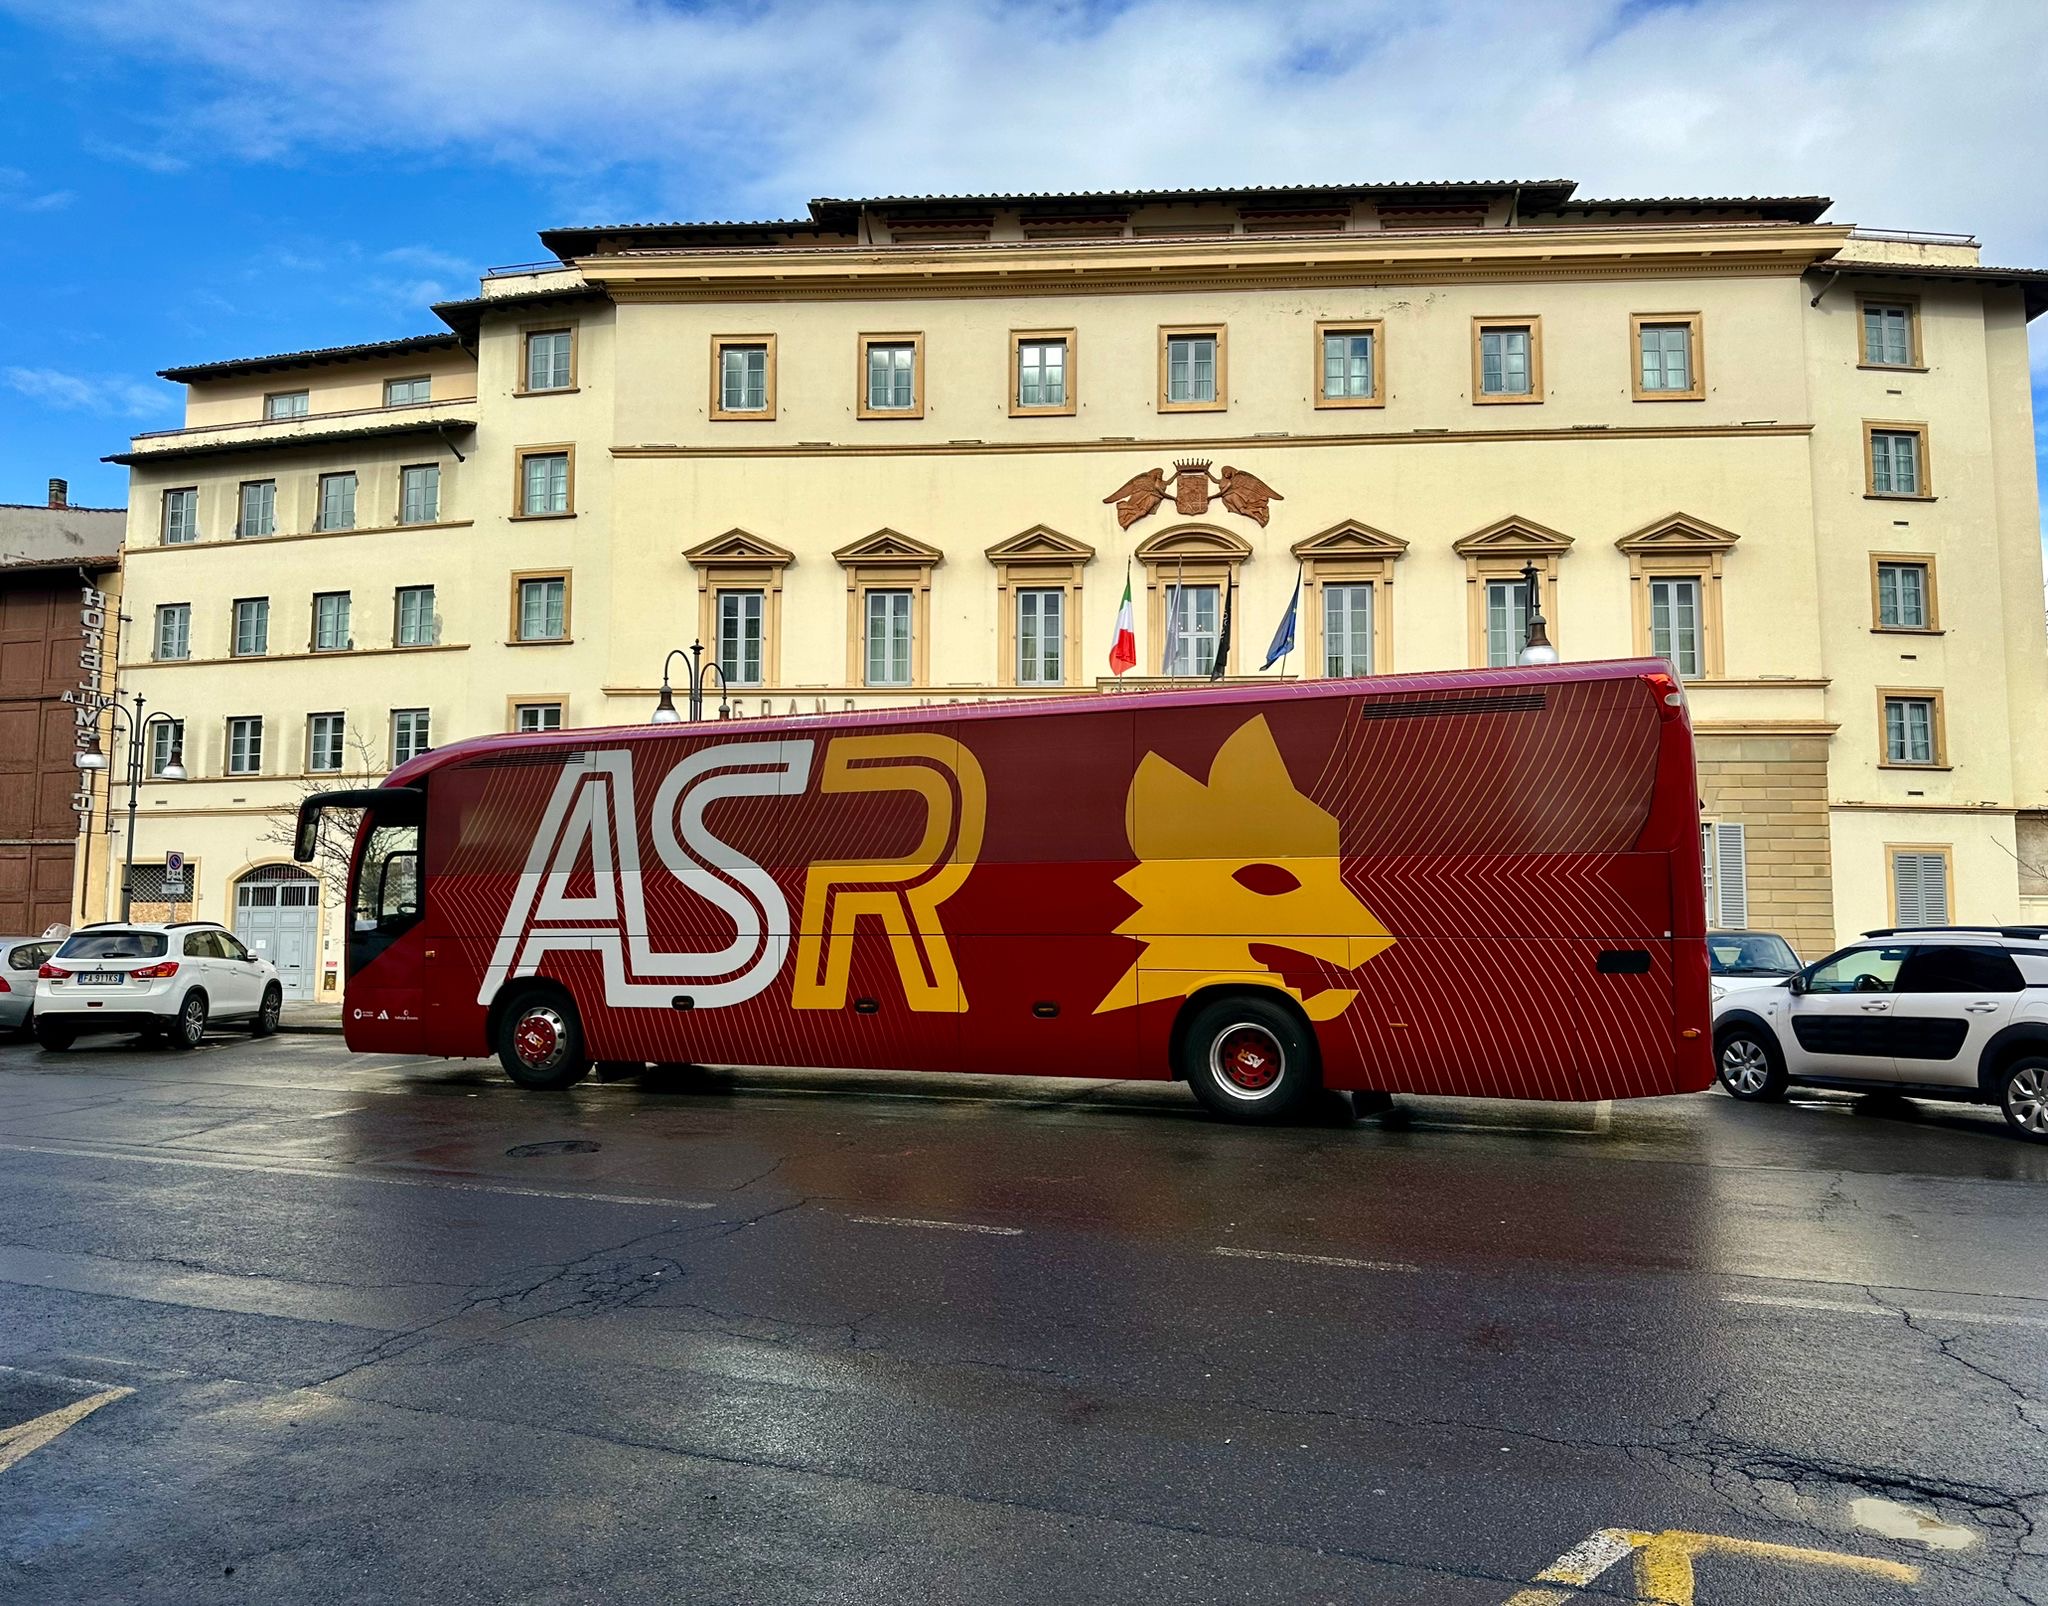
(306, 1016)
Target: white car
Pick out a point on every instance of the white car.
(1953, 1012)
(166, 982)
(1741, 960)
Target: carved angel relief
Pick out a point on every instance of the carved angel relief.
(1193, 489)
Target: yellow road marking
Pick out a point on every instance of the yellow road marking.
(37, 1431)
(1664, 1564)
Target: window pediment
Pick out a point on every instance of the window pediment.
(1678, 532)
(1513, 536)
(887, 546)
(739, 547)
(1194, 542)
(1350, 539)
(1040, 543)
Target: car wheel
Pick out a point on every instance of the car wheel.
(188, 1026)
(1747, 1061)
(1248, 1059)
(540, 1042)
(2023, 1095)
(54, 1036)
(265, 1021)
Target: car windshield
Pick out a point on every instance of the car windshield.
(1751, 954)
(115, 945)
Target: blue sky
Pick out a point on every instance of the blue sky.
(217, 178)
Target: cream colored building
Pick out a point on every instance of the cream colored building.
(869, 458)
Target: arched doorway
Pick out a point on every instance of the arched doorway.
(277, 916)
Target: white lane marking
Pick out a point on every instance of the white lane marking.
(1581, 1564)
(1313, 1260)
(266, 1168)
(1985, 1318)
(24, 1437)
(943, 1226)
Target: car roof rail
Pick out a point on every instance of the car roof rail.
(2025, 933)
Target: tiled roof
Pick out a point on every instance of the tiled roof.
(307, 359)
(464, 317)
(290, 443)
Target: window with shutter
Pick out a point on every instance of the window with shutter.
(1920, 887)
(1728, 907)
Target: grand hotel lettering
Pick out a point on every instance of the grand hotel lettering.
(88, 702)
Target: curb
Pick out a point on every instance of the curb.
(309, 1028)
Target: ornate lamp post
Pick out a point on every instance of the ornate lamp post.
(665, 709)
(1536, 647)
(92, 758)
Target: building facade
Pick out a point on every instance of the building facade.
(59, 604)
(910, 450)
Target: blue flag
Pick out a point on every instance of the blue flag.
(1283, 638)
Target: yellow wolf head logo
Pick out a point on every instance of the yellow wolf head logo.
(1242, 859)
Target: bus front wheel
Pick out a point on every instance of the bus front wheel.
(540, 1041)
(1249, 1059)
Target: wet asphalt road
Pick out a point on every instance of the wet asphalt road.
(774, 1337)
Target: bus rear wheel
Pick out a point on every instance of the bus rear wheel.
(1249, 1059)
(540, 1042)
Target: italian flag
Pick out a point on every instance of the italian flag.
(1123, 652)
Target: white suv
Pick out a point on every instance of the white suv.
(1955, 1012)
(162, 981)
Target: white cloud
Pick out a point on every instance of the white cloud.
(75, 393)
(19, 193)
(757, 107)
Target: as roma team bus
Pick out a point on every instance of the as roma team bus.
(1475, 883)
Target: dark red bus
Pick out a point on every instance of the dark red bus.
(1476, 883)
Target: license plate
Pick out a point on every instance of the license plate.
(102, 978)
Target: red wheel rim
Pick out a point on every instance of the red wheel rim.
(1249, 1058)
(536, 1038)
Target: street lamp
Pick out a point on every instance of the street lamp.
(1536, 647)
(93, 759)
(665, 707)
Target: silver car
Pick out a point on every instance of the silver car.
(20, 959)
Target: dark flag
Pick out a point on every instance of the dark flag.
(1223, 635)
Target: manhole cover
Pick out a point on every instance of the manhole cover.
(534, 1151)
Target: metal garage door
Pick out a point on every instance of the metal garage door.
(277, 916)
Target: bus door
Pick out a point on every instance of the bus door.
(383, 1001)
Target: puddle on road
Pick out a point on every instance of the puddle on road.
(1896, 1521)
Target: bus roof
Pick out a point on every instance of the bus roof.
(1023, 707)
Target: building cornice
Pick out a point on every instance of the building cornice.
(1351, 259)
(1188, 443)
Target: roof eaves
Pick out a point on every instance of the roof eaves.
(464, 317)
(362, 351)
(293, 443)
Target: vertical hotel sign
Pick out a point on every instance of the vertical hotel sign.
(87, 700)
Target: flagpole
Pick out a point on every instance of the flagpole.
(1298, 577)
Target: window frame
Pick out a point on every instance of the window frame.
(410, 379)
(914, 339)
(1923, 561)
(1374, 327)
(1219, 331)
(1696, 362)
(156, 637)
(1937, 727)
(1916, 362)
(552, 326)
(341, 755)
(718, 411)
(235, 628)
(1019, 338)
(889, 588)
(1923, 460)
(242, 489)
(320, 523)
(1348, 553)
(400, 521)
(1945, 851)
(1701, 582)
(558, 701)
(228, 750)
(348, 623)
(522, 577)
(164, 516)
(398, 595)
(169, 736)
(271, 397)
(1017, 594)
(520, 454)
(427, 746)
(761, 595)
(1480, 327)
